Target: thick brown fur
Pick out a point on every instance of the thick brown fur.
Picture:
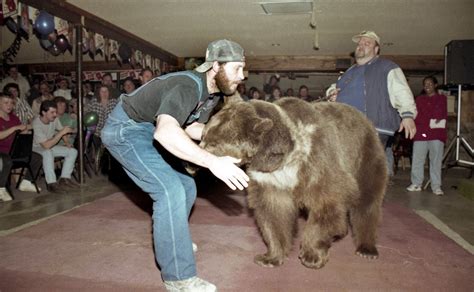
(324, 158)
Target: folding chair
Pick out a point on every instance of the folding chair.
(20, 154)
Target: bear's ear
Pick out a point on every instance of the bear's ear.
(262, 125)
(275, 144)
(232, 98)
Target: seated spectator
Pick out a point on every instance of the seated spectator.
(303, 93)
(242, 91)
(22, 109)
(128, 85)
(146, 75)
(254, 93)
(108, 81)
(45, 95)
(290, 92)
(276, 94)
(73, 108)
(34, 91)
(66, 119)
(88, 95)
(268, 87)
(63, 89)
(9, 125)
(103, 106)
(47, 133)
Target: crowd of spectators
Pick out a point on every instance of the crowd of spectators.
(48, 110)
(271, 91)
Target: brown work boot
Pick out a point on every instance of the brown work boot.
(54, 188)
(68, 183)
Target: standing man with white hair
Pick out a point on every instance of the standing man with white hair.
(172, 109)
(377, 87)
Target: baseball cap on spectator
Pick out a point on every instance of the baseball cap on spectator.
(366, 33)
(221, 51)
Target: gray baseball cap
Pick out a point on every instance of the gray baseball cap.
(222, 51)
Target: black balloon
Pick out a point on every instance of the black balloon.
(62, 43)
(125, 53)
(54, 50)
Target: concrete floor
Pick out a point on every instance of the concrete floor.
(452, 213)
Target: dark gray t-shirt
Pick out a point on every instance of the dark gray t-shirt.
(176, 96)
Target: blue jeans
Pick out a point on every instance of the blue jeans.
(173, 193)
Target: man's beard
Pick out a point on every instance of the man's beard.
(224, 84)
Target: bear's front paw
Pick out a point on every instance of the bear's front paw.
(265, 260)
(314, 260)
(368, 252)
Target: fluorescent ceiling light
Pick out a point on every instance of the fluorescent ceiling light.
(288, 7)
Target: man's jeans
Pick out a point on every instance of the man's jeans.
(69, 154)
(173, 193)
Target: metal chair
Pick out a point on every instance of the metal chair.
(20, 154)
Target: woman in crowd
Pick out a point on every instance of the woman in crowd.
(254, 93)
(276, 94)
(103, 106)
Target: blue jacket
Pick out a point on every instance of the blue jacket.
(365, 87)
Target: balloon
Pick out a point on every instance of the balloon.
(62, 43)
(54, 50)
(45, 44)
(44, 23)
(125, 53)
(52, 36)
(91, 119)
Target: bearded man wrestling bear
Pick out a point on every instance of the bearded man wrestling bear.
(324, 158)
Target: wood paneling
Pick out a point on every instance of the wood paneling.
(336, 63)
(411, 64)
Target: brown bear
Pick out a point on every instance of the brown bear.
(324, 158)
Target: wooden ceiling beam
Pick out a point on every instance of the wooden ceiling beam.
(74, 15)
(429, 63)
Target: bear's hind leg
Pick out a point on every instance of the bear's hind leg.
(364, 221)
(276, 215)
(323, 226)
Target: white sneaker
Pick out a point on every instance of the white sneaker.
(438, 192)
(4, 195)
(27, 186)
(413, 188)
(195, 247)
(193, 284)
